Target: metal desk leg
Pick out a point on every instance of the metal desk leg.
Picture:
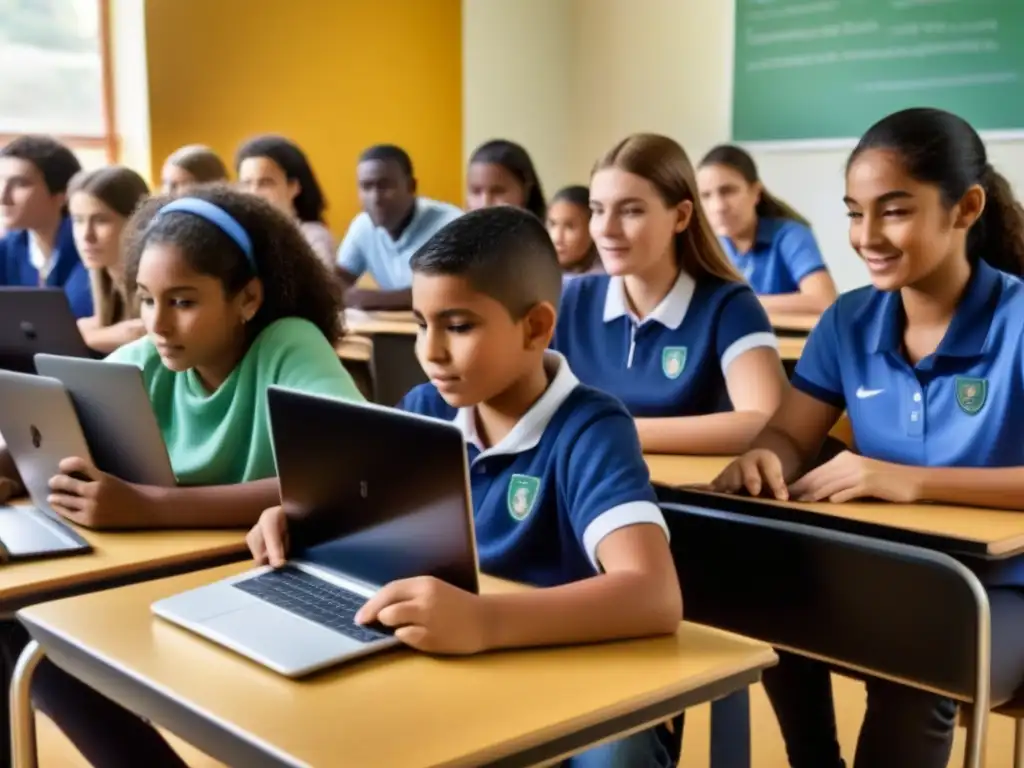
(730, 731)
(23, 717)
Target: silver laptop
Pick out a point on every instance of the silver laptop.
(373, 495)
(36, 320)
(116, 416)
(39, 426)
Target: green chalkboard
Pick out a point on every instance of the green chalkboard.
(828, 69)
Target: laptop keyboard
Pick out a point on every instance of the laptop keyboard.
(311, 598)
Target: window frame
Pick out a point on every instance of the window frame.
(108, 140)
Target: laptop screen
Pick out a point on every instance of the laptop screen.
(373, 493)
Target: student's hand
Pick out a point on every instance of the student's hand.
(268, 539)
(849, 476)
(95, 499)
(429, 615)
(755, 471)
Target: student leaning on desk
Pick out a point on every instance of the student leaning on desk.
(929, 362)
(561, 494)
(233, 300)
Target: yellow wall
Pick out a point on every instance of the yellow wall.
(333, 76)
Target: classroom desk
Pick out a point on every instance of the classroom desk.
(792, 324)
(398, 708)
(354, 349)
(369, 323)
(791, 347)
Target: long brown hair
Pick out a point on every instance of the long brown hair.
(201, 162)
(121, 189)
(664, 163)
(768, 205)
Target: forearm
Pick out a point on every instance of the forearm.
(794, 303)
(112, 337)
(381, 300)
(213, 506)
(1001, 488)
(579, 612)
(715, 434)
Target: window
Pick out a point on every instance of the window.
(55, 60)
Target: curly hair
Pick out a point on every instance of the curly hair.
(295, 282)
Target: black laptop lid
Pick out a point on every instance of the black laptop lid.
(36, 320)
(374, 493)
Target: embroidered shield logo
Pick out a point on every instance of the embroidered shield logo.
(673, 360)
(522, 495)
(971, 394)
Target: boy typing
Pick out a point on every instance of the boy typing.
(561, 494)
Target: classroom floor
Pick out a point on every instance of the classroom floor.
(56, 752)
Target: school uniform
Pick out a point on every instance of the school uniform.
(22, 263)
(784, 253)
(219, 438)
(369, 248)
(224, 437)
(568, 474)
(958, 407)
(671, 363)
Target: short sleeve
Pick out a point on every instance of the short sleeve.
(79, 293)
(743, 325)
(800, 252)
(351, 252)
(608, 486)
(303, 359)
(817, 371)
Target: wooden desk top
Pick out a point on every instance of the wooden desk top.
(369, 323)
(354, 348)
(791, 347)
(450, 711)
(802, 323)
(994, 533)
(116, 557)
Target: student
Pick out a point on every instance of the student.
(502, 173)
(190, 165)
(394, 223)
(233, 300)
(672, 331)
(485, 293)
(569, 227)
(39, 249)
(100, 203)
(771, 244)
(927, 363)
(277, 170)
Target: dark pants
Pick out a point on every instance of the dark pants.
(903, 726)
(107, 734)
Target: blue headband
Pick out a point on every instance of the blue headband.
(217, 216)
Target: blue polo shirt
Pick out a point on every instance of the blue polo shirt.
(367, 248)
(67, 270)
(961, 406)
(568, 474)
(784, 253)
(673, 362)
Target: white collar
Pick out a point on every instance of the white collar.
(527, 432)
(669, 312)
(38, 258)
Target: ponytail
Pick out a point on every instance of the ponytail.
(771, 207)
(998, 236)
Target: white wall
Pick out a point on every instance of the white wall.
(642, 65)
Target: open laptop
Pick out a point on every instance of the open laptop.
(116, 415)
(374, 495)
(36, 320)
(39, 425)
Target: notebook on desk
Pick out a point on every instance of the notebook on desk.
(374, 495)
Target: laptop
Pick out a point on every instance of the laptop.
(39, 425)
(36, 320)
(116, 415)
(374, 495)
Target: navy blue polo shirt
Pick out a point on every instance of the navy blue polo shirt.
(784, 253)
(671, 363)
(961, 406)
(67, 271)
(568, 474)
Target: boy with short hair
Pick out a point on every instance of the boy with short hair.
(38, 249)
(394, 224)
(561, 493)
